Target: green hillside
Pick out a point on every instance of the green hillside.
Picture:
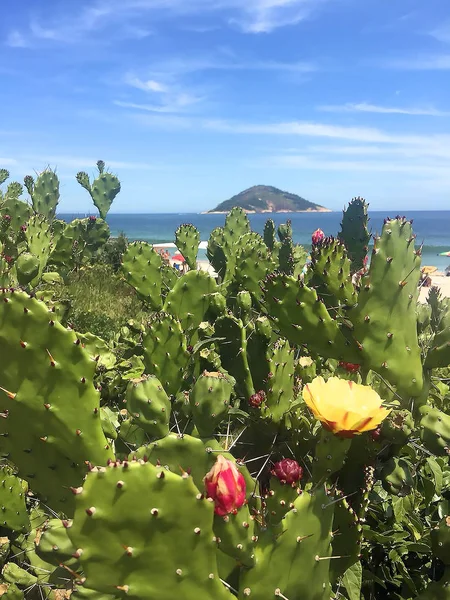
(265, 198)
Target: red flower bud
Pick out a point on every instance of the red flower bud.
(7, 218)
(23, 228)
(226, 486)
(287, 471)
(92, 218)
(376, 434)
(317, 237)
(257, 399)
(349, 367)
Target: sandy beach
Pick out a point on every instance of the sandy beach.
(439, 280)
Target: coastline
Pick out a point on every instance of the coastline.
(268, 212)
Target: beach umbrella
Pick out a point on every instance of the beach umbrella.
(178, 257)
(445, 253)
(428, 270)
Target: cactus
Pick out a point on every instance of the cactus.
(303, 319)
(111, 534)
(304, 544)
(103, 189)
(329, 274)
(187, 239)
(388, 339)
(141, 265)
(440, 540)
(149, 405)
(165, 351)
(354, 233)
(189, 299)
(209, 400)
(232, 346)
(434, 428)
(44, 370)
(397, 477)
(13, 513)
(44, 192)
(269, 234)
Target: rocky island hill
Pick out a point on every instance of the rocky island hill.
(268, 199)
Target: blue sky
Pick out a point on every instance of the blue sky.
(192, 101)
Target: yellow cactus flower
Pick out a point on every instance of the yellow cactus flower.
(344, 407)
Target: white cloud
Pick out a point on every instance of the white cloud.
(442, 33)
(147, 86)
(16, 40)
(437, 62)
(167, 98)
(7, 162)
(251, 16)
(306, 162)
(373, 108)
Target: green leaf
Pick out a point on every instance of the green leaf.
(437, 474)
(352, 580)
(402, 506)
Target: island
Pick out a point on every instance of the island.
(267, 199)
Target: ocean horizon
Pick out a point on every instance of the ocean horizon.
(432, 228)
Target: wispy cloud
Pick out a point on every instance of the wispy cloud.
(150, 85)
(437, 62)
(251, 16)
(263, 16)
(442, 33)
(386, 110)
(307, 162)
(167, 97)
(16, 40)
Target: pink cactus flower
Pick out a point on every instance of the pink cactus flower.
(349, 367)
(226, 486)
(287, 471)
(317, 237)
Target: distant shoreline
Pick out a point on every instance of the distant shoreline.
(267, 212)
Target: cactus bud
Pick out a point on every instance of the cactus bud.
(349, 367)
(317, 237)
(92, 218)
(257, 399)
(226, 486)
(7, 218)
(287, 471)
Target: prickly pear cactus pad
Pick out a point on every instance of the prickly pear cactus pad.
(51, 423)
(103, 189)
(189, 299)
(294, 562)
(13, 510)
(44, 193)
(388, 338)
(187, 239)
(354, 233)
(303, 319)
(134, 541)
(141, 265)
(165, 351)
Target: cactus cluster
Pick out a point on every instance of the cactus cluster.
(278, 430)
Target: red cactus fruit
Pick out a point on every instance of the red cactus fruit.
(317, 237)
(287, 471)
(257, 399)
(349, 367)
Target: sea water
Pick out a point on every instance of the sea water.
(432, 228)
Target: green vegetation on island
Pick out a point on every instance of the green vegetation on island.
(266, 198)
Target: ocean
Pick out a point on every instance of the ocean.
(432, 228)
